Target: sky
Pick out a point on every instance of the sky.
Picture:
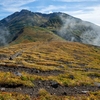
(88, 10)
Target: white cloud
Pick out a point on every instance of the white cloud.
(92, 14)
(51, 8)
(14, 5)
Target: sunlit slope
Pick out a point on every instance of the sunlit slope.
(67, 54)
(73, 66)
(33, 34)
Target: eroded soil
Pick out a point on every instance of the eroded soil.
(52, 87)
(29, 70)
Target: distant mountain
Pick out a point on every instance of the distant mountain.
(60, 25)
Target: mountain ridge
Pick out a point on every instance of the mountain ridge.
(61, 24)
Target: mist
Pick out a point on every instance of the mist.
(92, 35)
(4, 33)
(76, 30)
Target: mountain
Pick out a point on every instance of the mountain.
(61, 25)
(43, 65)
(50, 71)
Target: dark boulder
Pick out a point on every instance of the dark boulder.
(54, 84)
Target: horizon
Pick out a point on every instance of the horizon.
(87, 10)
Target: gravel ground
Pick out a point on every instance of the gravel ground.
(52, 87)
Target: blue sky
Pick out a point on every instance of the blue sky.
(88, 10)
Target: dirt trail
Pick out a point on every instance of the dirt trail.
(28, 70)
(52, 87)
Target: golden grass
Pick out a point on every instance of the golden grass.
(7, 78)
(74, 59)
(44, 95)
(33, 34)
(13, 96)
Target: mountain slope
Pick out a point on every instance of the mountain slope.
(49, 70)
(33, 34)
(17, 21)
(64, 25)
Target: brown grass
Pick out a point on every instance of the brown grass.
(81, 61)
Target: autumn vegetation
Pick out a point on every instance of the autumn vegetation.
(79, 64)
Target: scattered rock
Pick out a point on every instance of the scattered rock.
(10, 58)
(64, 93)
(54, 84)
(37, 71)
(62, 66)
(97, 84)
(71, 77)
(2, 56)
(75, 88)
(39, 82)
(48, 87)
(30, 93)
(3, 89)
(15, 55)
(18, 89)
(21, 68)
(52, 87)
(18, 73)
(85, 92)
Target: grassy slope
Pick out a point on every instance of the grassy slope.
(74, 59)
(33, 34)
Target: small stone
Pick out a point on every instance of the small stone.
(17, 73)
(3, 89)
(30, 93)
(37, 71)
(10, 58)
(97, 84)
(54, 84)
(20, 89)
(48, 87)
(54, 93)
(75, 87)
(62, 66)
(84, 92)
(64, 93)
(39, 82)
(71, 77)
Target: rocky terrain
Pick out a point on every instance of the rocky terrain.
(55, 70)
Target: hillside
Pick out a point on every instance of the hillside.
(50, 70)
(49, 57)
(61, 24)
(34, 34)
